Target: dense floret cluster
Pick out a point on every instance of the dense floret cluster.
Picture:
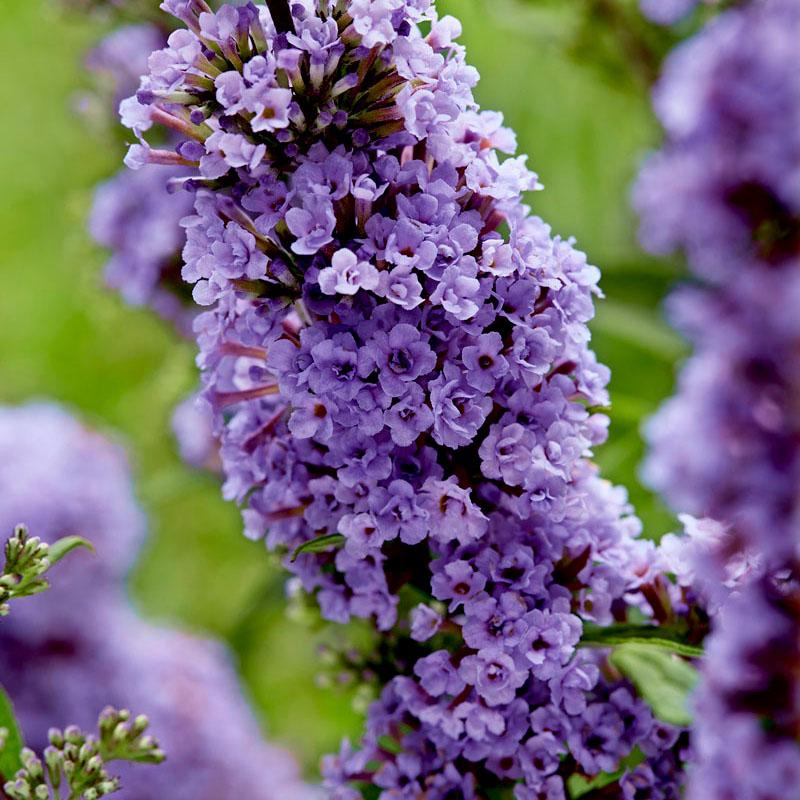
(725, 189)
(396, 353)
(68, 652)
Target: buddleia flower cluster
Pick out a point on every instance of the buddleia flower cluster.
(396, 354)
(725, 189)
(75, 762)
(67, 653)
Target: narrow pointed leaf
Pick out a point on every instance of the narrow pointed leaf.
(319, 545)
(614, 635)
(60, 548)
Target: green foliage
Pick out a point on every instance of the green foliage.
(27, 559)
(663, 637)
(66, 545)
(11, 742)
(663, 679)
(73, 767)
(319, 545)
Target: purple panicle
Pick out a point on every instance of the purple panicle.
(385, 364)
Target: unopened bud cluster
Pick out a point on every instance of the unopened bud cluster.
(26, 561)
(77, 761)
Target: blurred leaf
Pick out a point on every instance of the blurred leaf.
(641, 327)
(290, 694)
(10, 761)
(663, 679)
(319, 545)
(60, 548)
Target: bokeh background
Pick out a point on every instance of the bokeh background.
(583, 117)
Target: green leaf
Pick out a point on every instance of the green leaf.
(651, 635)
(319, 545)
(663, 679)
(390, 745)
(10, 761)
(578, 785)
(60, 548)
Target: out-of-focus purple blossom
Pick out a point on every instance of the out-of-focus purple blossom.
(725, 190)
(726, 446)
(747, 707)
(193, 426)
(136, 216)
(724, 187)
(60, 479)
(185, 685)
(668, 12)
(68, 652)
(121, 57)
(707, 562)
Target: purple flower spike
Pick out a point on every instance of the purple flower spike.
(398, 381)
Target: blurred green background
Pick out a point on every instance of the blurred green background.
(63, 336)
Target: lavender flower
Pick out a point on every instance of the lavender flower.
(137, 216)
(398, 383)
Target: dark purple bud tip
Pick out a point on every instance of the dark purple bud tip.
(191, 151)
(281, 15)
(145, 97)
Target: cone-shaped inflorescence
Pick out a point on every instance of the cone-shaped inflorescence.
(725, 189)
(397, 355)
